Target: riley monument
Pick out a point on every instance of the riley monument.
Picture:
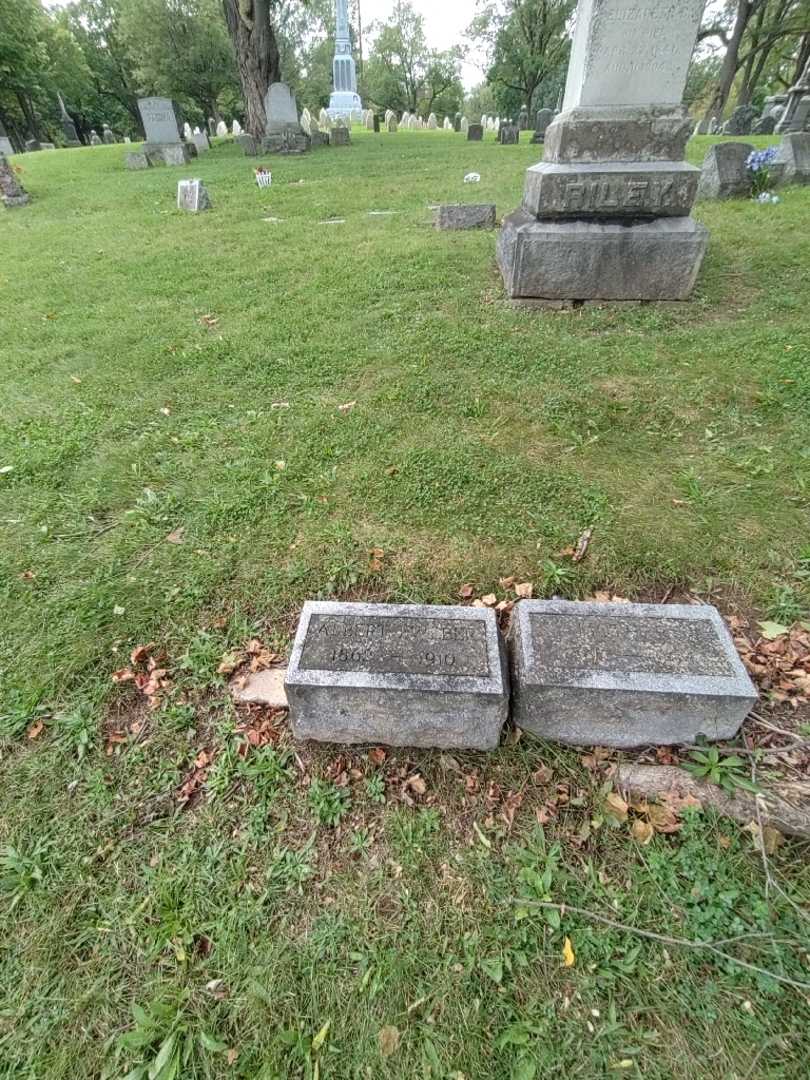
(344, 99)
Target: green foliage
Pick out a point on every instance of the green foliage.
(329, 803)
(402, 72)
(527, 47)
(727, 771)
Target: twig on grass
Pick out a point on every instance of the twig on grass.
(770, 880)
(685, 943)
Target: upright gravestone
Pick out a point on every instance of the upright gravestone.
(222, 130)
(375, 122)
(95, 138)
(163, 140)
(11, 190)
(605, 215)
(508, 134)
(724, 174)
(200, 140)
(464, 126)
(107, 135)
(68, 127)
(283, 132)
(741, 121)
(5, 142)
(457, 122)
(542, 119)
(404, 675)
(523, 118)
(765, 125)
(392, 124)
(794, 156)
(432, 123)
(212, 127)
(625, 674)
(475, 132)
(192, 195)
(339, 135)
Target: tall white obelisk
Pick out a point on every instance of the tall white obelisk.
(344, 99)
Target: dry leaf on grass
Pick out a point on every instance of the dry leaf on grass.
(616, 807)
(569, 959)
(642, 831)
(389, 1040)
(466, 591)
(490, 600)
(524, 590)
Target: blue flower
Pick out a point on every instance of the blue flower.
(761, 159)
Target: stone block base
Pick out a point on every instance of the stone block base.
(794, 156)
(288, 141)
(618, 133)
(16, 200)
(466, 216)
(625, 675)
(169, 153)
(137, 160)
(579, 260)
(610, 189)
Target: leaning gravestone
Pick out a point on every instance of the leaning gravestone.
(192, 195)
(724, 174)
(164, 144)
(475, 132)
(794, 157)
(283, 132)
(68, 127)
(404, 675)
(625, 674)
(741, 121)
(605, 215)
(11, 190)
(465, 216)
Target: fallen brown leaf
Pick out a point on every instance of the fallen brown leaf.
(466, 591)
(524, 590)
(581, 549)
(35, 730)
(389, 1040)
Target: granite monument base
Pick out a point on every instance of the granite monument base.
(585, 260)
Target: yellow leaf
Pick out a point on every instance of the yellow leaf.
(490, 600)
(389, 1040)
(568, 953)
(524, 590)
(616, 806)
(642, 831)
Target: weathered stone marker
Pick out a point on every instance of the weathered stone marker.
(724, 174)
(404, 675)
(11, 190)
(164, 143)
(193, 195)
(465, 216)
(613, 166)
(625, 674)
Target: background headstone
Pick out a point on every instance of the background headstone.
(107, 135)
(741, 121)
(137, 159)
(392, 124)
(339, 136)
(724, 175)
(222, 129)
(159, 120)
(464, 126)
(200, 140)
(475, 132)
(523, 118)
(280, 108)
(403, 675)
(764, 126)
(249, 144)
(508, 134)
(797, 105)
(95, 139)
(236, 128)
(11, 190)
(465, 216)
(542, 119)
(794, 156)
(192, 195)
(432, 122)
(457, 122)
(68, 127)
(375, 122)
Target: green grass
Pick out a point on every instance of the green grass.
(482, 441)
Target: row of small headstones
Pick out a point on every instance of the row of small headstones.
(612, 674)
(745, 119)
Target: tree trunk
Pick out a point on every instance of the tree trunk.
(257, 55)
(729, 68)
(802, 57)
(30, 115)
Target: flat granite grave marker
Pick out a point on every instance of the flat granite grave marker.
(625, 674)
(465, 216)
(403, 675)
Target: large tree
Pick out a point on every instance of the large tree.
(253, 33)
(22, 59)
(181, 49)
(527, 44)
(404, 73)
(750, 31)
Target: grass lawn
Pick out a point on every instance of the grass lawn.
(208, 419)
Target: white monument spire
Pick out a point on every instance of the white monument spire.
(344, 100)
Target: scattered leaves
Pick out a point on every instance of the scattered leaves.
(524, 590)
(375, 560)
(616, 807)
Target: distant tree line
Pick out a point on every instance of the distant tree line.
(217, 58)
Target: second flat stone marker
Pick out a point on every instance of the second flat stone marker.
(625, 674)
(402, 675)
